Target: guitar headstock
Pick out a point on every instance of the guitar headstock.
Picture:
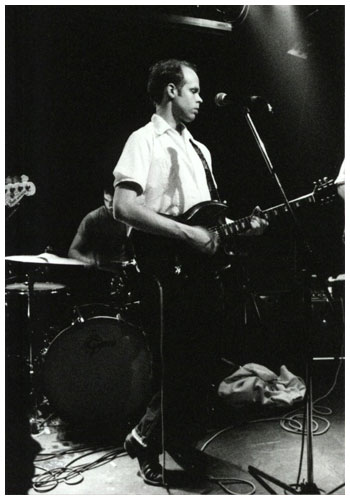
(325, 191)
(16, 188)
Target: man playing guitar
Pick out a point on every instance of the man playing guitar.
(162, 172)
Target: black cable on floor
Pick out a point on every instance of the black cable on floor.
(71, 474)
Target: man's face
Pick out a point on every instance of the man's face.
(187, 99)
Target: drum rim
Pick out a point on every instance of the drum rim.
(82, 323)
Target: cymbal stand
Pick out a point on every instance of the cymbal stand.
(250, 295)
(34, 412)
(309, 487)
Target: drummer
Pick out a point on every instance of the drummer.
(101, 241)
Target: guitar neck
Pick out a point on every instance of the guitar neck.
(241, 225)
(283, 208)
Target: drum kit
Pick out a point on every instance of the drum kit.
(86, 362)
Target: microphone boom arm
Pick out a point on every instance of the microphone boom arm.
(268, 161)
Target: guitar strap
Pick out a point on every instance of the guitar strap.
(210, 181)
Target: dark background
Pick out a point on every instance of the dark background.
(75, 90)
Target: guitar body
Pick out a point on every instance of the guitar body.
(205, 214)
(165, 256)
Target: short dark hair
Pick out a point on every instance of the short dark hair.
(164, 72)
(109, 190)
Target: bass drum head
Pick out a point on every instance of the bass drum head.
(98, 371)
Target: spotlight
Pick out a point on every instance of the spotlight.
(221, 17)
(301, 47)
(298, 50)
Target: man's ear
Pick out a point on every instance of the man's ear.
(171, 90)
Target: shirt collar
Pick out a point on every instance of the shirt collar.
(161, 126)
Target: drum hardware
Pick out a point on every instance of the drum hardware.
(108, 343)
(78, 317)
(117, 284)
(83, 312)
(30, 359)
(32, 342)
(30, 345)
(119, 289)
(130, 304)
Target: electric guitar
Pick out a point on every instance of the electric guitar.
(164, 256)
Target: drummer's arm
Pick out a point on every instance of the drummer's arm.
(78, 251)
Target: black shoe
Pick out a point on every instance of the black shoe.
(150, 468)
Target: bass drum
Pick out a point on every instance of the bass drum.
(98, 371)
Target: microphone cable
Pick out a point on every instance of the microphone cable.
(71, 473)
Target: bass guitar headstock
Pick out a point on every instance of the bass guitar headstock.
(16, 188)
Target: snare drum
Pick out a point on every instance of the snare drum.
(98, 371)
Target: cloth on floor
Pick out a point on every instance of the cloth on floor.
(254, 383)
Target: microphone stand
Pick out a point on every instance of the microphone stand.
(309, 487)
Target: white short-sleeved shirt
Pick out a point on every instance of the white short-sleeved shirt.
(165, 166)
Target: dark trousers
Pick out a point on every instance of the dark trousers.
(192, 312)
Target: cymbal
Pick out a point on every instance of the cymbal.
(42, 287)
(45, 259)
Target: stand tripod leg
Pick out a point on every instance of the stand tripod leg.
(258, 475)
(308, 488)
(309, 413)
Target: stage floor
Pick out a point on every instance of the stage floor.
(243, 443)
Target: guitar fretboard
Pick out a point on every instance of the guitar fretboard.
(241, 225)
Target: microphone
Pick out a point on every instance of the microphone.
(250, 101)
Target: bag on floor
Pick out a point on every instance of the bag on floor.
(253, 383)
